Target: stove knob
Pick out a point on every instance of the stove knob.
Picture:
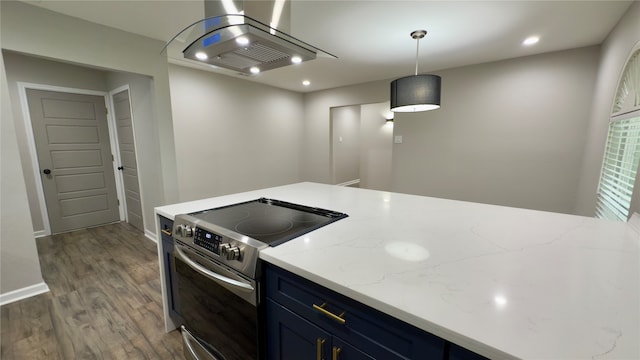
(224, 248)
(178, 230)
(185, 230)
(188, 231)
(233, 253)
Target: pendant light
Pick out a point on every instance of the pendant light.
(417, 92)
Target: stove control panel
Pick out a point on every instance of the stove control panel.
(214, 243)
(207, 240)
(223, 246)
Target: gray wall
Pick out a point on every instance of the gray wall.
(233, 135)
(19, 265)
(616, 50)
(345, 143)
(25, 68)
(35, 31)
(39, 71)
(376, 146)
(509, 132)
(40, 32)
(316, 154)
(365, 150)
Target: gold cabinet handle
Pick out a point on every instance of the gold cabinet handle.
(166, 232)
(336, 353)
(319, 346)
(338, 318)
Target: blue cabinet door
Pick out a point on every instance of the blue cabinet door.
(341, 350)
(166, 226)
(458, 353)
(290, 337)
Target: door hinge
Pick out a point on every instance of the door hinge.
(106, 111)
(111, 157)
(118, 200)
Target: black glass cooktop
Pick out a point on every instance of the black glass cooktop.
(269, 221)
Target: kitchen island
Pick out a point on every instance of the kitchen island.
(502, 282)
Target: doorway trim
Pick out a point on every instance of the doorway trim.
(119, 175)
(31, 144)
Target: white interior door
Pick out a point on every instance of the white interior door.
(74, 154)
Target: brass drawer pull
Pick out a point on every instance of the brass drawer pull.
(319, 345)
(166, 232)
(338, 318)
(336, 353)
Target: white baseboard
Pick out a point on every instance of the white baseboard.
(23, 293)
(348, 183)
(151, 236)
(39, 234)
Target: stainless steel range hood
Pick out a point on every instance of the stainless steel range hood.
(243, 36)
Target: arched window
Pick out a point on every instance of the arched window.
(622, 150)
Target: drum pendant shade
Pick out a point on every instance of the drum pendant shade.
(417, 92)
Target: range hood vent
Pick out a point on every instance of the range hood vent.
(229, 39)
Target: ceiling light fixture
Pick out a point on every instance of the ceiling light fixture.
(417, 92)
(531, 40)
(306, 82)
(201, 55)
(296, 59)
(255, 70)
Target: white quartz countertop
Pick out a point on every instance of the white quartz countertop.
(503, 282)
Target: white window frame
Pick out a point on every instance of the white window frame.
(622, 149)
(619, 167)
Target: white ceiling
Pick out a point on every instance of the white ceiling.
(371, 38)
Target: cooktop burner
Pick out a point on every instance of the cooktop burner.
(269, 221)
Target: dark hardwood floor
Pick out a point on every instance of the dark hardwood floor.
(105, 301)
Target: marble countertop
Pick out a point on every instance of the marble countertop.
(503, 282)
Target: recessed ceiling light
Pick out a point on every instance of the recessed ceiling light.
(306, 82)
(254, 70)
(531, 40)
(242, 40)
(296, 59)
(201, 56)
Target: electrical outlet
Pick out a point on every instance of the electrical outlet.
(397, 139)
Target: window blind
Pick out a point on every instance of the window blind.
(619, 168)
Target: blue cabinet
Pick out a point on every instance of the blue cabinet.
(166, 227)
(344, 351)
(456, 352)
(307, 321)
(290, 337)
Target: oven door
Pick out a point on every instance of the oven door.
(219, 307)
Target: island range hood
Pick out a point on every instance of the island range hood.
(247, 37)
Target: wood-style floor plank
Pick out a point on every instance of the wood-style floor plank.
(105, 301)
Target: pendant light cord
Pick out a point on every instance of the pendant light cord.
(417, 35)
(417, 49)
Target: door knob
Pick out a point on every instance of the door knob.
(120, 167)
(46, 171)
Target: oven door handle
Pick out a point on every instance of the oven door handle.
(220, 279)
(191, 352)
